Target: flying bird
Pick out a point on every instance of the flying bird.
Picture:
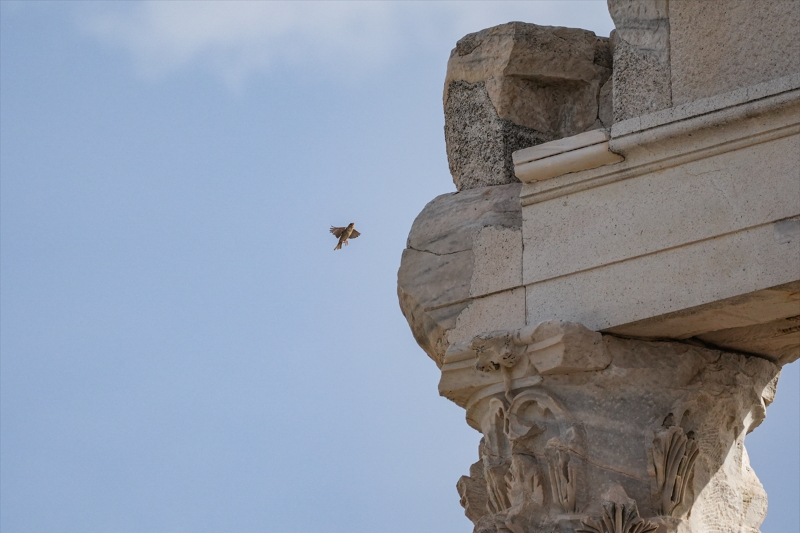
(344, 233)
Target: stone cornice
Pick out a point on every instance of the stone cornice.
(580, 152)
(705, 106)
(499, 361)
(673, 137)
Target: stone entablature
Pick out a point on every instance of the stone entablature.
(516, 85)
(705, 207)
(615, 324)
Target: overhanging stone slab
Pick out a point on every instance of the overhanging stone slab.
(702, 209)
(668, 281)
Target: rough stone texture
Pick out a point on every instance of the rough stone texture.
(641, 41)
(514, 86)
(605, 111)
(719, 46)
(693, 240)
(479, 143)
(656, 433)
(765, 322)
(498, 260)
(445, 268)
(670, 52)
(703, 209)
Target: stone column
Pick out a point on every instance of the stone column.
(584, 432)
(615, 324)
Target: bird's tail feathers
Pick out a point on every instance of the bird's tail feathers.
(338, 246)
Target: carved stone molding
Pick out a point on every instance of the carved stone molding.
(574, 421)
(500, 361)
(620, 515)
(673, 454)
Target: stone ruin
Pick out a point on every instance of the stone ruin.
(611, 293)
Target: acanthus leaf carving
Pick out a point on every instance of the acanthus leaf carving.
(562, 477)
(620, 514)
(496, 484)
(673, 455)
(524, 481)
(617, 518)
(472, 492)
(528, 444)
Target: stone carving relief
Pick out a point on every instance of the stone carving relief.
(673, 454)
(496, 349)
(531, 458)
(562, 478)
(524, 481)
(617, 518)
(565, 412)
(620, 514)
(472, 490)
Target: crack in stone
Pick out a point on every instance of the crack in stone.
(438, 255)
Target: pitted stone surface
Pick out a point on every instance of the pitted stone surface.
(720, 46)
(642, 81)
(498, 260)
(514, 86)
(479, 142)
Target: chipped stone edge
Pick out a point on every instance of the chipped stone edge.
(559, 146)
(586, 158)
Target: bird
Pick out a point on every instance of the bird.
(344, 233)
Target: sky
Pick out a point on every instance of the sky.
(181, 350)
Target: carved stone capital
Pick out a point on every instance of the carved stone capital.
(619, 515)
(584, 432)
(506, 360)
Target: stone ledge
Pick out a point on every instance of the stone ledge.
(559, 146)
(669, 142)
(565, 156)
(706, 105)
(483, 364)
(668, 280)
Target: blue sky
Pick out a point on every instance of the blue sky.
(182, 350)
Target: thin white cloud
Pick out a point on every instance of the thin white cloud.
(235, 40)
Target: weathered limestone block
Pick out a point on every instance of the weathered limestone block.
(642, 80)
(672, 264)
(720, 46)
(696, 233)
(516, 85)
(671, 52)
(464, 251)
(645, 436)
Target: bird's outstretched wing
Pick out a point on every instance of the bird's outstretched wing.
(337, 232)
(354, 234)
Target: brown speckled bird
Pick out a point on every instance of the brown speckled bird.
(344, 233)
